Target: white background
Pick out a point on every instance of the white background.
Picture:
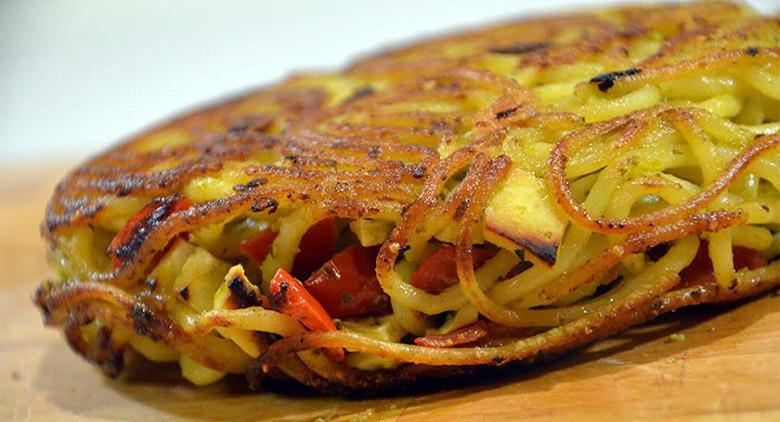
(78, 75)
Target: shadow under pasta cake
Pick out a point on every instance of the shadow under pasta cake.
(475, 199)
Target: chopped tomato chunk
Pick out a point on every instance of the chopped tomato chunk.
(438, 271)
(132, 235)
(347, 286)
(289, 297)
(459, 337)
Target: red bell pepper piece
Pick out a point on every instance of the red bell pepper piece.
(316, 248)
(289, 297)
(130, 237)
(347, 285)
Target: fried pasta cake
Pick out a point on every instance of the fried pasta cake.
(476, 199)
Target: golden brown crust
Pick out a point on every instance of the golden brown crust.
(387, 137)
(229, 131)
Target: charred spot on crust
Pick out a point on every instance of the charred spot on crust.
(185, 293)
(252, 184)
(401, 252)
(102, 352)
(506, 113)
(162, 208)
(611, 225)
(301, 160)
(521, 48)
(363, 91)
(279, 298)
(239, 127)
(607, 80)
(265, 203)
(302, 99)
(110, 359)
(418, 172)
(460, 210)
(73, 211)
(658, 251)
(374, 152)
(604, 288)
(752, 51)
(144, 321)
(151, 284)
(244, 296)
(254, 122)
(256, 182)
(39, 298)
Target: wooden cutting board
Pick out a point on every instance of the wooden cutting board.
(727, 367)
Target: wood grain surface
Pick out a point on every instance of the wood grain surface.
(727, 367)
